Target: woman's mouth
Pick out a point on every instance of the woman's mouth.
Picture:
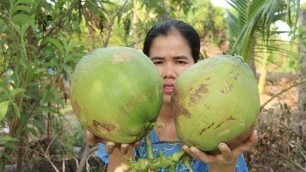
(168, 88)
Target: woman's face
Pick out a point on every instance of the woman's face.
(171, 55)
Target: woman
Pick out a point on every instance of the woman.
(173, 46)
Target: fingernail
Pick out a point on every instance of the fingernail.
(222, 146)
(193, 149)
(110, 143)
(256, 132)
(89, 135)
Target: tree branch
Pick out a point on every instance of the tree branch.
(281, 92)
(297, 165)
(86, 153)
(58, 23)
(112, 19)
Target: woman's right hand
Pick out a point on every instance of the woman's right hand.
(109, 145)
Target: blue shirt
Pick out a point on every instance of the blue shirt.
(169, 149)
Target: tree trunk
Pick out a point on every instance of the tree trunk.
(263, 76)
(302, 53)
(135, 25)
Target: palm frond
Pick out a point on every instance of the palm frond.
(251, 18)
(233, 25)
(273, 49)
(254, 7)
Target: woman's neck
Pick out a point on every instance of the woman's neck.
(166, 113)
(168, 131)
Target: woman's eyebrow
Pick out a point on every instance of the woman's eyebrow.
(179, 57)
(157, 58)
(182, 57)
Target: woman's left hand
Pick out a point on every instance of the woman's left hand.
(228, 157)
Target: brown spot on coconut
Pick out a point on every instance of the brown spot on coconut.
(108, 127)
(75, 107)
(121, 57)
(198, 93)
(179, 110)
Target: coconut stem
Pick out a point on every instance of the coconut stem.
(150, 148)
(162, 161)
(186, 160)
(155, 124)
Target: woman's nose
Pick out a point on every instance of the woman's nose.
(169, 72)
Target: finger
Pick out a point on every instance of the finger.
(109, 147)
(254, 137)
(124, 148)
(226, 152)
(119, 169)
(90, 138)
(136, 144)
(247, 145)
(125, 167)
(186, 149)
(200, 155)
(251, 142)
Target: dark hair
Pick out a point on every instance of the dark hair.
(163, 28)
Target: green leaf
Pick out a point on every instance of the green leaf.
(1, 162)
(38, 124)
(47, 109)
(3, 26)
(22, 18)
(22, 8)
(56, 43)
(3, 109)
(25, 27)
(16, 109)
(25, 2)
(10, 145)
(17, 91)
(67, 68)
(8, 139)
(6, 155)
(32, 131)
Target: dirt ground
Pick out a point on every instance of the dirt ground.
(282, 131)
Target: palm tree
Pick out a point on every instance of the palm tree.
(253, 18)
(302, 52)
(250, 28)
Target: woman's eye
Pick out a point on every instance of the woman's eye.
(158, 62)
(180, 62)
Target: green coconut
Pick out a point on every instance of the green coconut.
(216, 100)
(116, 93)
